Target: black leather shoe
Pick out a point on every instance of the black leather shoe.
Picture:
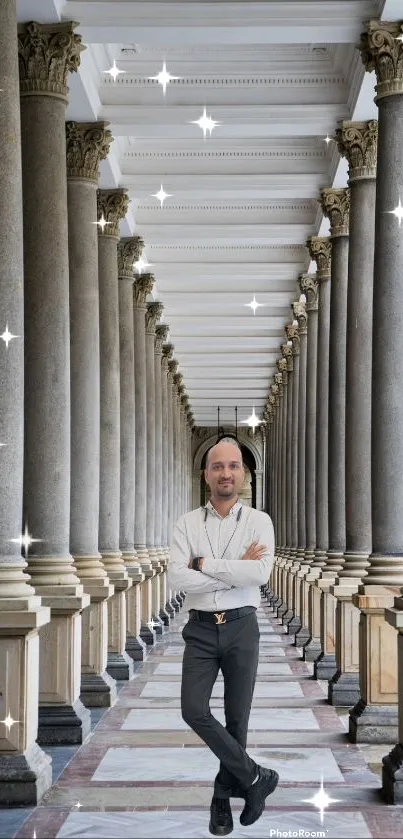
(255, 796)
(221, 823)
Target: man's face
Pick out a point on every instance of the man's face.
(225, 473)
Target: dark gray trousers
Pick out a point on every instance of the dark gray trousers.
(232, 647)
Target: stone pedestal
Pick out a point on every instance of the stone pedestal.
(392, 771)
(344, 687)
(135, 646)
(98, 689)
(120, 664)
(325, 665)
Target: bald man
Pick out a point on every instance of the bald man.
(220, 556)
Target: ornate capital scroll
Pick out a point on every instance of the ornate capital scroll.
(320, 249)
(154, 311)
(299, 312)
(112, 204)
(47, 53)
(129, 251)
(278, 380)
(288, 356)
(87, 143)
(309, 286)
(382, 51)
(173, 366)
(335, 204)
(292, 334)
(358, 143)
(161, 335)
(142, 287)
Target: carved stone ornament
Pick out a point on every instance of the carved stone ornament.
(320, 250)
(335, 204)
(382, 51)
(173, 365)
(178, 379)
(288, 356)
(282, 367)
(272, 399)
(275, 389)
(129, 251)
(142, 287)
(47, 53)
(309, 286)
(358, 143)
(300, 314)
(292, 334)
(87, 143)
(161, 335)
(154, 311)
(279, 380)
(113, 205)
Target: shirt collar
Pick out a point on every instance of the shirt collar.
(233, 511)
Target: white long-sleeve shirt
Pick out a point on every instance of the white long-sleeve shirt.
(225, 582)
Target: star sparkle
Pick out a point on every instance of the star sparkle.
(2, 444)
(102, 222)
(253, 421)
(8, 722)
(399, 37)
(25, 540)
(398, 212)
(206, 123)
(8, 336)
(321, 800)
(141, 265)
(254, 305)
(327, 139)
(163, 78)
(114, 71)
(161, 195)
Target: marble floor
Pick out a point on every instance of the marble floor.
(143, 774)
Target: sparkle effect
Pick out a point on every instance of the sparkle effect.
(321, 800)
(102, 222)
(253, 421)
(114, 71)
(161, 195)
(254, 305)
(398, 212)
(141, 265)
(163, 78)
(2, 444)
(327, 139)
(8, 336)
(8, 722)
(25, 540)
(206, 123)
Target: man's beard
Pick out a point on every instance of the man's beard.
(226, 490)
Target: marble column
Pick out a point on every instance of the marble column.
(278, 379)
(309, 287)
(301, 567)
(129, 250)
(22, 614)
(358, 143)
(336, 206)
(375, 717)
(287, 358)
(87, 144)
(161, 335)
(46, 54)
(165, 449)
(142, 287)
(292, 334)
(112, 207)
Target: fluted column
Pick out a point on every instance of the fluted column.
(287, 359)
(87, 144)
(161, 335)
(375, 716)
(47, 53)
(309, 287)
(129, 250)
(19, 752)
(291, 331)
(112, 207)
(278, 381)
(358, 143)
(301, 567)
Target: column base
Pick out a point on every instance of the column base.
(281, 611)
(325, 667)
(287, 617)
(98, 690)
(392, 776)
(294, 626)
(147, 635)
(63, 725)
(373, 723)
(302, 637)
(120, 666)
(175, 604)
(135, 648)
(164, 617)
(312, 649)
(344, 689)
(158, 625)
(170, 609)
(24, 778)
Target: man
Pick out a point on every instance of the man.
(221, 554)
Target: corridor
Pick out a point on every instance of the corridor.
(144, 774)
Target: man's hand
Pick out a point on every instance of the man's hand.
(255, 551)
(190, 565)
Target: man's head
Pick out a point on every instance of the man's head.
(224, 472)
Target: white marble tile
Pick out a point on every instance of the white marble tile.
(261, 719)
(199, 764)
(266, 649)
(174, 650)
(193, 824)
(263, 689)
(174, 668)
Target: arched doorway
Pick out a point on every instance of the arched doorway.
(248, 492)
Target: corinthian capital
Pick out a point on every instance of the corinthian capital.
(87, 143)
(161, 334)
(299, 312)
(142, 287)
(358, 143)
(292, 334)
(154, 311)
(112, 204)
(47, 53)
(382, 51)
(288, 357)
(320, 249)
(309, 286)
(335, 204)
(278, 380)
(129, 251)
(173, 366)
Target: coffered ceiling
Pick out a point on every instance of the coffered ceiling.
(277, 77)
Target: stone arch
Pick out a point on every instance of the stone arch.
(209, 441)
(245, 440)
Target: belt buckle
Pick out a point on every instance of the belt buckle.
(220, 618)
